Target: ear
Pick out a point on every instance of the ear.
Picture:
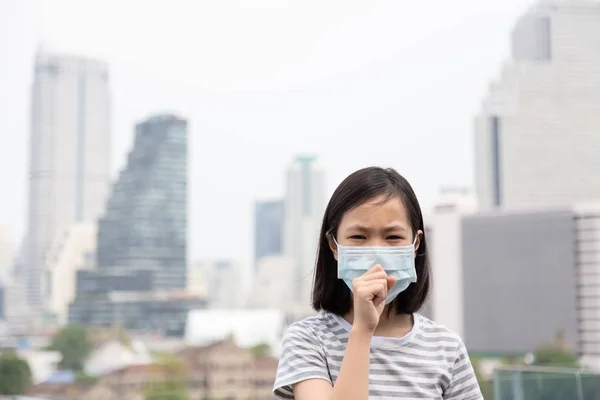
(332, 246)
(418, 241)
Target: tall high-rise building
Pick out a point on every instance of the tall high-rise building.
(142, 239)
(69, 156)
(304, 207)
(145, 226)
(536, 137)
(587, 273)
(536, 269)
(268, 229)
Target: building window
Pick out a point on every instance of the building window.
(544, 36)
(51, 68)
(496, 161)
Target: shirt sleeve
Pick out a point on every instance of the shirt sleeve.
(302, 358)
(463, 384)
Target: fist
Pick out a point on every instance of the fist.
(370, 291)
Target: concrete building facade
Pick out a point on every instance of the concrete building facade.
(70, 252)
(140, 279)
(268, 229)
(536, 136)
(69, 156)
(510, 281)
(304, 208)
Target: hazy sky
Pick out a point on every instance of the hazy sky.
(392, 83)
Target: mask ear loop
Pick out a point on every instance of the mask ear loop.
(415, 242)
(335, 241)
(330, 236)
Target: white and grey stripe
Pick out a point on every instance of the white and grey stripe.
(430, 362)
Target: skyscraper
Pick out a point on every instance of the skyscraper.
(536, 137)
(142, 239)
(304, 208)
(537, 268)
(268, 229)
(145, 226)
(69, 165)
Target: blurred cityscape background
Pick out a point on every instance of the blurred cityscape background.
(165, 169)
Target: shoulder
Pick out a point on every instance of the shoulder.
(311, 328)
(431, 328)
(435, 333)
(302, 355)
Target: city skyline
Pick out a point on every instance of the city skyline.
(247, 124)
(222, 155)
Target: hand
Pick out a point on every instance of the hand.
(370, 291)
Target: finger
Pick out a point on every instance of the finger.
(391, 282)
(359, 285)
(360, 282)
(375, 290)
(379, 293)
(374, 269)
(374, 276)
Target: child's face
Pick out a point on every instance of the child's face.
(378, 222)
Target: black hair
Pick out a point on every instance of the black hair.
(330, 293)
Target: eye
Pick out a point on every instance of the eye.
(357, 237)
(394, 237)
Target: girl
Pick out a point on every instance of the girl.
(372, 276)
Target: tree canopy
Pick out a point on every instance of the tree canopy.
(261, 350)
(73, 345)
(174, 384)
(556, 354)
(15, 375)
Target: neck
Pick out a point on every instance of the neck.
(390, 323)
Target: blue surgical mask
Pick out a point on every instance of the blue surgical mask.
(397, 261)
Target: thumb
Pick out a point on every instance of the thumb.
(391, 281)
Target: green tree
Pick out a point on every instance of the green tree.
(261, 350)
(15, 375)
(174, 384)
(166, 390)
(83, 378)
(550, 356)
(72, 343)
(556, 354)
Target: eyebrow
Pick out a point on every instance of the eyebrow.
(389, 228)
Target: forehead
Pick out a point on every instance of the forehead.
(377, 212)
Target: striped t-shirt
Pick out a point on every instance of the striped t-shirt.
(430, 362)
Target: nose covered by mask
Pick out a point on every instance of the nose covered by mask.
(397, 261)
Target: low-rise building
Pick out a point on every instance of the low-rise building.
(221, 370)
(63, 391)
